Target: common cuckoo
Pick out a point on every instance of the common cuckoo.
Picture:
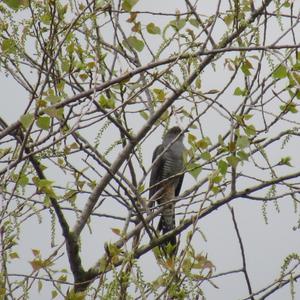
(168, 162)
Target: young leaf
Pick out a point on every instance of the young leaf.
(245, 69)
(291, 107)
(54, 293)
(250, 130)
(243, 141)
(40, 285)
(144, 115)
(152, 28)
(194, 22)
(191, 138)
(222, 166)
(178, 24)
(26, 120)
(228, 19)
(23, 179)
(127, 5)
(160, 94)
(194, 169)
(280, 72)
(107, 102)
(243, 155)
(14, 4)
(53, 99)
(205, 155)
(232, 160)
(240, 92)
(134, 42)
(285, 161)
(116, 231)
(9, 46)
(43, 122)
(204, 143)
(14, 255)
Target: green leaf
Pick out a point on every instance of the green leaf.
(191, 138)
(222, 166)
(53, 99)
(23, 180)
(296, 66)
(285, 161)
(127, 5)
(243, 141)
(152, 28)
(198, 83)
(250, 130)
(296, 77)
(43, 122)
(46, 18)
(14, 4)
(232, 160)
(194, 169)
(246, 66)
(2, 292)
(65, 65)
(228, 19)
(14, 255)
(40, 285)
(243, 155)
(44, 186)
(116, 231)
(220, 140)
(113, 249)
(38, 263)
(280, 72)
(4, 152)
(160, 94)
(63, 278)
(217, 179)
(291, 107)
(72, 295)
(144, 115)
(62, 9)
(203, 143)
(215, 189)
(41, 183)
(57, 113)
(178, 24)
(134, 42)
(9, 46)
(54, 293)
(107, 102)
(47, 201)
(36, 252)
(194, 22)
(205, 155)
(240, 92)
(26, 120)
(247, 116)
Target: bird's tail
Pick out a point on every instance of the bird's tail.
(167, 223)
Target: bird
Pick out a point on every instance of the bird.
(167, 162)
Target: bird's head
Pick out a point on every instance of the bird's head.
(173, 132)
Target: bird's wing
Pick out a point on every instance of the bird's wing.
(179, 184)
(156, 173)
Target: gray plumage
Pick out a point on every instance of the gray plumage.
(169, 163)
